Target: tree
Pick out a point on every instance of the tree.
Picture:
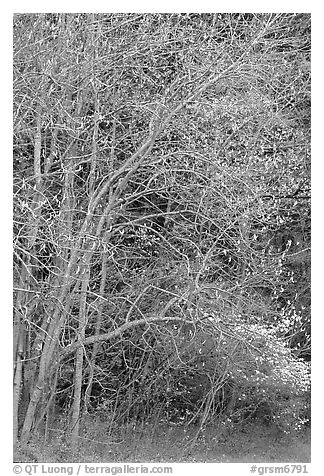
(159, 161)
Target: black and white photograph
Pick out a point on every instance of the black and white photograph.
(162, 239)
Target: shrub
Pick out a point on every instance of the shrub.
(270, 383)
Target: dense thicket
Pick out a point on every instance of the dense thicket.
(161, 217)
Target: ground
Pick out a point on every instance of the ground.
(255, 444)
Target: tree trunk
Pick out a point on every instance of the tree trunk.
(76, 405)
(17, 382)
(97, 329)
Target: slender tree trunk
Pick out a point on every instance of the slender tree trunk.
(76, 406)
(97, 328)
(19, 327)
(17, 382)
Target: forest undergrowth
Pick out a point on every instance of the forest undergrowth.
(139, 443)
